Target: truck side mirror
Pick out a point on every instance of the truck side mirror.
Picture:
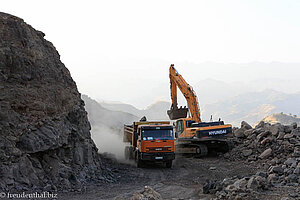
(176, 135)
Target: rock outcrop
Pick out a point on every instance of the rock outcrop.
(45, 140)
(282, 118)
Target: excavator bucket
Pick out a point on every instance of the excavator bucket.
(176, 113)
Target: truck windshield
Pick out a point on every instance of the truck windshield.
(157, 134)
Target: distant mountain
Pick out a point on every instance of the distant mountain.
(282, 119)
(105, 118)
(231, 103)
(253, 106)
(211, 91)
(156, 111)
(279, 84)
(122, 107)
(248, 106)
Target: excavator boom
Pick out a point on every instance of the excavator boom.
(176, 80)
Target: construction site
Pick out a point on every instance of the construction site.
(173, 127)
(202, 160)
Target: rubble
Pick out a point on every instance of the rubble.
(235, 187)
(275, 148)
(267, 153)
(147, 193)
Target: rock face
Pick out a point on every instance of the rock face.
(45, 139)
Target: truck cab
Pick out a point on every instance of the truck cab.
(151, 142)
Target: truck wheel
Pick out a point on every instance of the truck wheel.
(127, 153)
(131, 155)
(139, 163)
(169, 164)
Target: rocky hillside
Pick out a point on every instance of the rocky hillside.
(282, 119)
(107, 127)
(156, 111)
(108, 119)
(45, 140)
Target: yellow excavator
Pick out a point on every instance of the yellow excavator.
(192, 135)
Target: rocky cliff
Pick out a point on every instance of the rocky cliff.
(45, 140)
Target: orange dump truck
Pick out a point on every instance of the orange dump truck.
(150, 142)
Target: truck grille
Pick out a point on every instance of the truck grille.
(156, 149)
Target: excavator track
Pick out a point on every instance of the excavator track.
(199, 148)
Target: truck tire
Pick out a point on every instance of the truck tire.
(169, 164)
(139, 163)
(131, 155)
(127, 153)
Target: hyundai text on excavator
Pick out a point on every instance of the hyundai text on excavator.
(194, 136)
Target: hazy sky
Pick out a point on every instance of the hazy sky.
(115, 48)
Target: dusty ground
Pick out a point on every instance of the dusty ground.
(183, 181)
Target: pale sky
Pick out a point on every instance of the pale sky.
(111, 47)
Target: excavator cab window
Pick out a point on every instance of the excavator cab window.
(179, 127)
(189, 123)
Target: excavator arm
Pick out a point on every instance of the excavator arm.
(176, 80)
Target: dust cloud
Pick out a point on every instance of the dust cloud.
(109, 141)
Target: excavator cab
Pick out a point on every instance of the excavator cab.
(176, 113)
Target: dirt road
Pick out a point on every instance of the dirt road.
(183, 181)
